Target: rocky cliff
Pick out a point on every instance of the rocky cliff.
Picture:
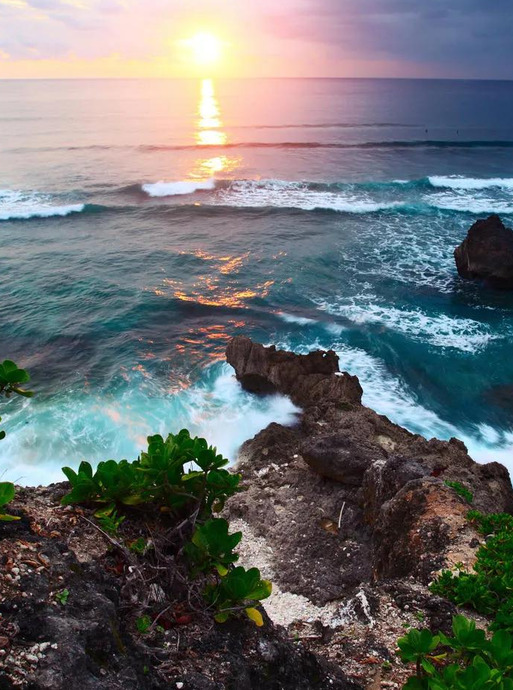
(347, 513)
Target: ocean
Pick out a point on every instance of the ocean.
(144, 223)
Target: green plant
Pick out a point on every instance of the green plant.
(184, 478)
(158, 476)
(489, 588)
(7, 492)
(239, 590)
(143, 624)
(460, 490)
(466, 661)
(139, 546)
(62, 597)
(212, 547)
(109, 519)
(11, 378)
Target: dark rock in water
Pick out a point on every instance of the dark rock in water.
(307, 379)
(487, 253)
(338, 457)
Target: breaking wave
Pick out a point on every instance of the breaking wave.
(162, 189)
(16, 205)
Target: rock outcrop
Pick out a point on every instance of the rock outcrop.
(354, 514)
(487, 253)
(307, 379)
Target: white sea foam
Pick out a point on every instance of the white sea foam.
(389, 396)
(466, 335)
(460, 182)
(468, 204)
(162, 189)
(283, 194)
(292, 318)
(44, 436)
(16, 205)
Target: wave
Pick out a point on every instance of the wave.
(293, 318)
(394, 144)
(43, 435)
(385, 144)
(441, 331)
(249, 195)
(16, 205)
(470, 183)
(329, 125)
(162, 189)
(465, 204)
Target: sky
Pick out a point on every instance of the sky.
(259, 38)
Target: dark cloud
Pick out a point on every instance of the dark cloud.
(473, 37)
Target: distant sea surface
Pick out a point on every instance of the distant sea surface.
(144, 223)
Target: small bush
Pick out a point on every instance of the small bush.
(466, 661)
(11, 378)
(489, 588)
(460, 490)
(184, 479)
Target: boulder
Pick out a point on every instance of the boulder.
(487, 253)
(307, 379)
(338, 457)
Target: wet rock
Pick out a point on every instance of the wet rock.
(311, 379)
(487, 253)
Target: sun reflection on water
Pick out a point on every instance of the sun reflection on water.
(209, 132)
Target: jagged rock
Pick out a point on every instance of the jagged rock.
(338, 457)
(311, 379)
(487, 253)
(364, 479)
(420, 530)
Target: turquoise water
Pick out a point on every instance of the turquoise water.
(144, 223)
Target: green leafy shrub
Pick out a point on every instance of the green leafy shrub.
(239, 589)
(489, 588)
(7, 492)
(11, 378)
(211, 545)
(460, 490)
(466, 661)
(158, 477)
(184, 478)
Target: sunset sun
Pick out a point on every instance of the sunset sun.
(204, 48)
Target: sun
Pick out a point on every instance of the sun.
(205, 48)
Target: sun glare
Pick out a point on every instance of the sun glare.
(205, 48)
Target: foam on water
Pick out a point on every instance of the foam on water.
(17, 205)
(389, 396)
(442, 330)
(292, 318)
(163, 189)
(43, 437)
(283, 194)
(469, 203)
(471, 183)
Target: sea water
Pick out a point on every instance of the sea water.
(144, 223)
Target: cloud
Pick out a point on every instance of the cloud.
(468, 38)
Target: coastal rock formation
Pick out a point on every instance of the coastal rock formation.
(354, 517)
(347, 513)
(307, 379)
(68, 612)
(487, 253)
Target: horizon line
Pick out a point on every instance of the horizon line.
(327, 78)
